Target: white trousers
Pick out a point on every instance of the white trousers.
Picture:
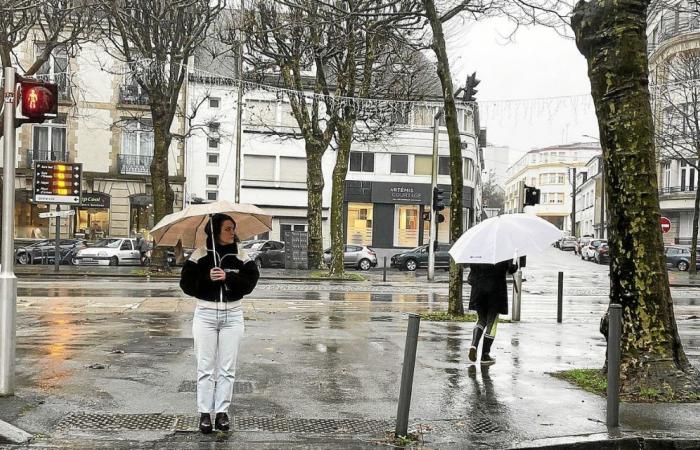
(217, 339)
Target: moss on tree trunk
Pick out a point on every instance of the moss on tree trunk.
(314, 185)
(340, 171)
(611, 35)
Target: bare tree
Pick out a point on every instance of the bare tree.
(155, 39)
(678, 131)
(612, 37)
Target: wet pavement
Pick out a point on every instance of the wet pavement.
(109, 363)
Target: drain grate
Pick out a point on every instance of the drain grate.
(108, 422)
(292, 425)
(484, 425)
(182, 423)
(239, 387)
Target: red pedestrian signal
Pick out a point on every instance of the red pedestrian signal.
(39, 100)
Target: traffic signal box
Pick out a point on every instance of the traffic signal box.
(57, 182)
(39, 101)
(438, 203)
(532, 196)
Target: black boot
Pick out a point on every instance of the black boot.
(486, 358)
(221, 422)
(476, 337)
(205, 423)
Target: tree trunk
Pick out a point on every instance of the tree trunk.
(611, 35)
(163, 195)
(314, 184)
(455, 306)
(692, 268)
(340, 171)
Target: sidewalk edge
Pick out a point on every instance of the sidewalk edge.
(13, 434)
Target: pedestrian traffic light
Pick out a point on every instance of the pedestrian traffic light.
(532, 196)
(39, 100)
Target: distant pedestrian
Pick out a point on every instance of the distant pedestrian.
(143, 247)
(218, 275)
(489, 298)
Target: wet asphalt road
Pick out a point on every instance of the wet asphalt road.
(326, 350)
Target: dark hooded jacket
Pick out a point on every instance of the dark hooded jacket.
(489, 289)
(241, 278)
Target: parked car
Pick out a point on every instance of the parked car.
(267, 253)
(246, 245)
(567, 243)
(602, 254)
(678, 256)
(172, 260)
(581, 243)
(110, 252)
(418, 257)
(588, 252)
(358, 256)
(44, 251)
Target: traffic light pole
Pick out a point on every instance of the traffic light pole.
(8, 281)
(433, 213)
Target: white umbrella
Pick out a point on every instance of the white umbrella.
(188, 225)
(504, 237)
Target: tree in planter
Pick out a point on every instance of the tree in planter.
(677, 102)
(611, 35)
(155, 40)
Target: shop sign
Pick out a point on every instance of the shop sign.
(95, 200)
(414, 194)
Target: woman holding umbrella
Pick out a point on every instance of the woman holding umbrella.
(218, 275)
(489, 298)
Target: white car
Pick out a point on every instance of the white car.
(110, 252)
(588, 252)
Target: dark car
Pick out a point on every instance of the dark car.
(679, 257)
(172, 259)
(418, 257)
(267, 253)
(44, 251)
(602, 254)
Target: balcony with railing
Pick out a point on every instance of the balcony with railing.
(45, 155)
(678, 191)
(672, 25)
(134, 164)
(132, 94)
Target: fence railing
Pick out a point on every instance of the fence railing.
(672, 25)
(45, 155)
(131, 94)
(134, 164)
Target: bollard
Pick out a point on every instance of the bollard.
(384, 275)
(517, 290)
(614, 333)
(409, 362)
(560, 297)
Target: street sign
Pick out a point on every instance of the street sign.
(67, 213)
(665, 225)
(57, 182)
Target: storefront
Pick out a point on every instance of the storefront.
(389, 215)
(92, 216)
(28, 224)
(141, 214)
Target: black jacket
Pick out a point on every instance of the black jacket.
(489, 289)
(241, 277)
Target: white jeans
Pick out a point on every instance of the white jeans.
(217, 339)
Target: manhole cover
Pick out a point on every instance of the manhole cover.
(484, 425)
(239, 387)
(292, 425)
(155, 422)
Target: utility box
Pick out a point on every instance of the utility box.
(296, 247)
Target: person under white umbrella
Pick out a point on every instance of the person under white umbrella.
(492, 249)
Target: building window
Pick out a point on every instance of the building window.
(291, 227)
(406, 218)
(293, 169)
(687, 176)
(212, 180)
(399, 163)
(361, 162)
(423, 116)
(262, 112)
(443, 165)
(259, 168)
(49, 140)
(667, 174)
(212, 196)
(213, 135)
(214, 102)
(137, 137)
(423, 165)
(212, 159)
(55, 69)
(400, 114)
(360, 223)
(469, 169)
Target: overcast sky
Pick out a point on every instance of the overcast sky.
(536, 63)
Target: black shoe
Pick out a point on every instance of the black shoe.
(487, 360)
(221, 422)
(205, 423)
(472, 354)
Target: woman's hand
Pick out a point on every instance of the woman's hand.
(217, 274)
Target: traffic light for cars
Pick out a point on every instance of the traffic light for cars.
(438, 203)
(39, 100)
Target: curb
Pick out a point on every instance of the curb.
(13, 434)
(625, 443)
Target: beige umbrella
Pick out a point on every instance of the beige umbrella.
(188, 225)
